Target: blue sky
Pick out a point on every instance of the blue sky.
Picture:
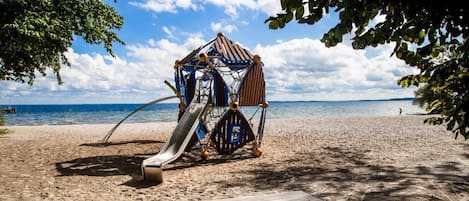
(157, 32)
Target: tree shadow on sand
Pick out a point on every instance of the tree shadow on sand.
(188, 160)
(114, 165)
(106, 165)
(101, 166)
(109, 165)
(340, 172)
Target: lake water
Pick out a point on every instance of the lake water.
(165, 112)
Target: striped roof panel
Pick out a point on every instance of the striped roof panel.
(231, 52)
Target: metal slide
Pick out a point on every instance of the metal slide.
(174, 147)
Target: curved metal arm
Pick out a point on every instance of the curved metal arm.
(109, 133)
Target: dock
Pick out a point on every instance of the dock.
(9, 109)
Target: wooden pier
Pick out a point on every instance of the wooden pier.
(9, 109)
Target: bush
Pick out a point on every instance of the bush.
(3, 131)
(2, 122)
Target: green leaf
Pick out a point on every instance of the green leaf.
(295, 3)
(289, 17)
(422, 34)
(463, 74)
(403, 82)
(299, 12)
(273, 24)
(281, 22)
(284, 4)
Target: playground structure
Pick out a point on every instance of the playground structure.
(213, 83)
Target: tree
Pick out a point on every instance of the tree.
(35, 34)
(3, 131)
(1, 119)
(429, 35)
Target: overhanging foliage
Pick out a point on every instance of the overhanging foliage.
(429, 35)
(35, 34)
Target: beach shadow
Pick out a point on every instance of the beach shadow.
(466, 156)
(101, 166)
(466, 145)
(341, 172)
(100, 144)
(138, 183)
(190, 160)
(187, 161)
(114, 165)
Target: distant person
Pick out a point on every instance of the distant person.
(400, 111)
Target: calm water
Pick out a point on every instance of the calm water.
(164, 112)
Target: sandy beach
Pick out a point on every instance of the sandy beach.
(353, 158)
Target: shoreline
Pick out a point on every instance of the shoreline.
(267, 119)
(358, 158)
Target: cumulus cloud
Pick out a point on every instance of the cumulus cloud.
(298, 69)
(165, 5)
(222, 27)
(97, 78)
(230, 7)
(269, 7)
(305, 69)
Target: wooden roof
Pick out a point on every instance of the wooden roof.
(230, 52)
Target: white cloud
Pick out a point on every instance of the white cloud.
(231, 7)
(222, 27)
(270, 7)
(244, 22)
(151, 42)
(306, 69)
(94, 78)
(299, 69)
(165, 5)
(169, 31)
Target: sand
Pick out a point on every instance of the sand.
(356, 158)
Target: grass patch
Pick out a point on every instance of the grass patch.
(4, 131)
